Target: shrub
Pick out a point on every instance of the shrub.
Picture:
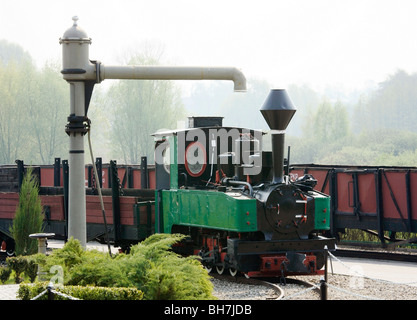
(5, 272)
(163, 274)
(29, 291)
(150, 266)
(67, 257)
(18, 265)
(31, 269)
(29, 216)
(99, 269)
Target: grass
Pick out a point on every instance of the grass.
(356, 235)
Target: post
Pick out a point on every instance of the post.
(65, 182)
(144, 173)
(115, 194)
(76, 131)
(323, 281)
(75, 66)
(99, 166)
(149, 218)
(50, 288)
(20, 172)
(323, 289)
(57, 172)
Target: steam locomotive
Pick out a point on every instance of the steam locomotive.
(237, 203)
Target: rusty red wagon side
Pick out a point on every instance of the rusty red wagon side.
(368, 198)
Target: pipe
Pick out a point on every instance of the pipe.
(277, 141)
(174, 73)
(230, 182)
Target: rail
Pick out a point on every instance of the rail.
(251, 281)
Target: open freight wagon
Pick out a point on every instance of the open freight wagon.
(128, 196)
(368, 198)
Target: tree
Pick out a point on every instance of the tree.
(305, 101)
(140, 108)
(13, 114)
(29, 216)
(48, 106)
(392, 105)
(12, 52)
(324, 134)
(323, 122)
(329, 122)
(242, 109)
(340, 127)
(216, 98)
(33, 108)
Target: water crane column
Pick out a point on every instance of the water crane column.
(82, 74)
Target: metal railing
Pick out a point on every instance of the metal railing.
(51, 292)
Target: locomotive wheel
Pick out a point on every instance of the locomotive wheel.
(220, 269)
(233, 272)
(209, 269)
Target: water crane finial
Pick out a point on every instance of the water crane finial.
(75, 19)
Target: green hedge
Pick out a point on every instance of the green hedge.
(28, 291)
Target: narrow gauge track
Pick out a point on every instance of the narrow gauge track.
(273, 283)
(250, 281)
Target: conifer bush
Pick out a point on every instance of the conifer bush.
(31, 269)
(5, 272)
(18, 265)
(29, 216)
(150, 266)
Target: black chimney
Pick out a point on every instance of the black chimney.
(278, 111)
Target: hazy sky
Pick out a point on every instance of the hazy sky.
(318, 42)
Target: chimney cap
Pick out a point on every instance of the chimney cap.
(278, 109)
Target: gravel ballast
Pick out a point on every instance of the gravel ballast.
(340, 287)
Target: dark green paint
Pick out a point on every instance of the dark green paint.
(321, 211)
(211, 209)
